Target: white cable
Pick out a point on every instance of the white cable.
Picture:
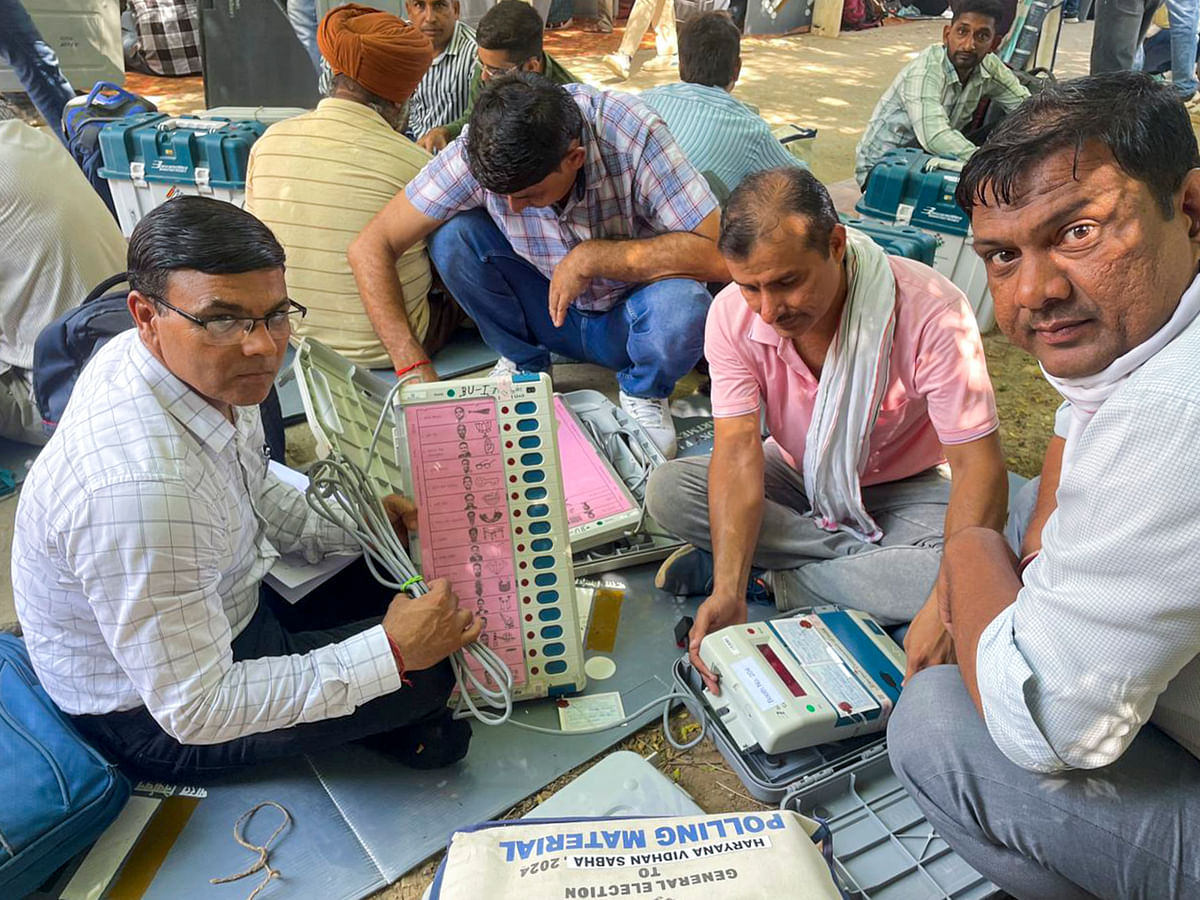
(340, 492)
(689, 700)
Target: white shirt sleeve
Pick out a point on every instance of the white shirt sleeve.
(147, 554)
(1108, 616)
(292, 526)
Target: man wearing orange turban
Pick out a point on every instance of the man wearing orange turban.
(380, 52)
(319, 178)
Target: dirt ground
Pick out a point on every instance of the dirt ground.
(828, 84)
(831, 85)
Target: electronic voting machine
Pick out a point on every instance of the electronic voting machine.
(607, 458)
(480, 459)
(798, 681)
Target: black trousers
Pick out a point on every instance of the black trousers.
(345, 605)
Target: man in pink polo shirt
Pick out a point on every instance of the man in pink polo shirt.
(872, 375)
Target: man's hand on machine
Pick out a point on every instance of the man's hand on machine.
(927, 642)
(714, 614)
(427, 629)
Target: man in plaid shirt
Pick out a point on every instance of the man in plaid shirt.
(574, 225)
(934, 96)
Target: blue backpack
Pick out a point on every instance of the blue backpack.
(59, 793)
(66, 344)
(82, 122)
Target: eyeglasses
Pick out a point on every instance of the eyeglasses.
(226, 330)
(501, 71)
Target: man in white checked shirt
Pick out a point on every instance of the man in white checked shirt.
(1061, 756)
(146, 526)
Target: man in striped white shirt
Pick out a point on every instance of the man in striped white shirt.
(146, 526)
(445, 92)
(720, 136)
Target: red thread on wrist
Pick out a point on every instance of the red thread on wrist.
(400, 373)
(399, 657)
(1025, 561)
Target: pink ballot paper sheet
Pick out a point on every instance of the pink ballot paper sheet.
(465, 526)
(592, 493)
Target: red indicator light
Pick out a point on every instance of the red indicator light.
(781, 670)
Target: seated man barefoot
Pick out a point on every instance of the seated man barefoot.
(934, 97)
(1061, 757)
(147, 524)
(871, 373)
(509, 38)
(573, 225)
(315, 180)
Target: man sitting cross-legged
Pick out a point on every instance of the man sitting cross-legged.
(573, 225)
(1061, 756)
(318, 178)
(147, 524)
(871, 373)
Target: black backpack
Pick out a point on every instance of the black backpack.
(81, 125)
(66, 344)
(60, 351)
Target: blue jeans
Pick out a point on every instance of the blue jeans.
(651, 339)
(302, 14)
(1185, 24)
(36, 66)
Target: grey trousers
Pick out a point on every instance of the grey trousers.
(890, 579)
(1127, 831)
(1120, 27)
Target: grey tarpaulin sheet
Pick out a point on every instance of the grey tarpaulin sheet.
(362, 820)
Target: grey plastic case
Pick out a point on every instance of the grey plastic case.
(883, 847)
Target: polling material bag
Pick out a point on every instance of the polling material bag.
(59, 793)
(734, 856)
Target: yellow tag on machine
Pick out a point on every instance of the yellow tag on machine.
(480, 460)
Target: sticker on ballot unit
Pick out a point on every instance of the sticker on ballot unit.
(757, 684)
(824, 665)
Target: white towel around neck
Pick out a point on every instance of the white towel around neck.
(1087, 394)
(853, 381)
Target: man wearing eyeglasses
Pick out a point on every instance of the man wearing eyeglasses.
(509, 39)
(146, 526)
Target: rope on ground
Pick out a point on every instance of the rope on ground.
(238, 829)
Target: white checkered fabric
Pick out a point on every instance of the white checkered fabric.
(143, 531)
(1105, 634)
